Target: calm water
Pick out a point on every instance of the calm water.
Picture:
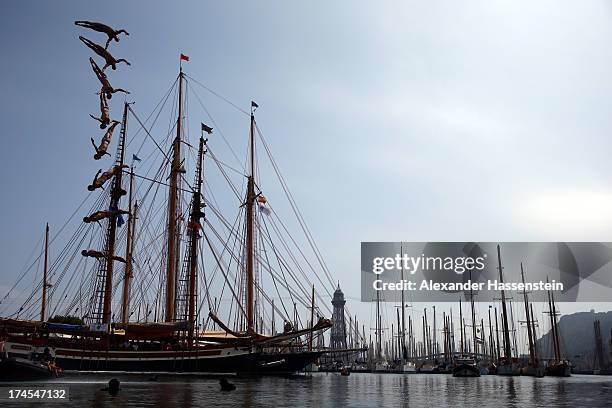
(333, 390)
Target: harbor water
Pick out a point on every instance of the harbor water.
(332, 390)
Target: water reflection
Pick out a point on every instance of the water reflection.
(356, 390)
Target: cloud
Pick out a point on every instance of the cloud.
(566, 213)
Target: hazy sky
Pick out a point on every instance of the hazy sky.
(445, 120)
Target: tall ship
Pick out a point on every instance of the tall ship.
(166, 267)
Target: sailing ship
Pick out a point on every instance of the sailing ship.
(557, 367)
(533, 368)
(507, 366)
(157, 324)
(467, 366)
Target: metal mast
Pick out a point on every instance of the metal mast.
(172, 231)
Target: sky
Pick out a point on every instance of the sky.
(392, 120)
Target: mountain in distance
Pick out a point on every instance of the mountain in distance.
(578, 337)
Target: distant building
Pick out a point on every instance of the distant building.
(338, 330)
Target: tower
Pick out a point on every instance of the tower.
(338, 330)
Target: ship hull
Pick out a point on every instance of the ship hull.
(466, 370)
(558, 370)
(285, 363)
(531, 371)
(16, 369)
(211, 361)
(508, 370)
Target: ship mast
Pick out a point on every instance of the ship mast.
(507, 349)
(250, 213)
(43, 305)
(127, 276)
(194, 228)
(474, 337)
(403, 341)
(530, 333)
(553, 323)
(172, 231)
(116, 194)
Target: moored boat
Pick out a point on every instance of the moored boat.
(466, 367)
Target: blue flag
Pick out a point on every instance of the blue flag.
(135, 158)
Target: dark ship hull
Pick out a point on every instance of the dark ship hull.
(17, 369)
(466, 370)
(205, 361)
(561, 369)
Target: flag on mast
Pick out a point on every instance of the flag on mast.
(184, 57)
(206, 129)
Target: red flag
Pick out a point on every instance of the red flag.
(184, 57)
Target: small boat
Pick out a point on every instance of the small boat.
(508, 368)
(408, 368)
(428, 368)
(533, 371)
(466, 367)
(558, 369)
(345, 371)
(35, 367)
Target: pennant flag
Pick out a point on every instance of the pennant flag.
(135, 158)
(254, 105)
(120, 220)
(262, 199)
(265, 210)
(184, 57)
(206, 129)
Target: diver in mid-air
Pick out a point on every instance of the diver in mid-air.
(101, 51)
(102, 28)
(107, 88)
(106, 139)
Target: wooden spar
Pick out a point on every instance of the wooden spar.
(403, 312)
(529, 331)
(378, 329)
(535, 336)
(129, 248)
(273, 320)
(399, 338)
(172, 230)
(43, 305)
(491, 341)
(426, 338)
(312, 306)
(556, 327)
(552, 325)
(505, 328)
(461, 327)
(250, 244)
(194, 222)
(497, 351)
(473, 318)
(116, 194)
